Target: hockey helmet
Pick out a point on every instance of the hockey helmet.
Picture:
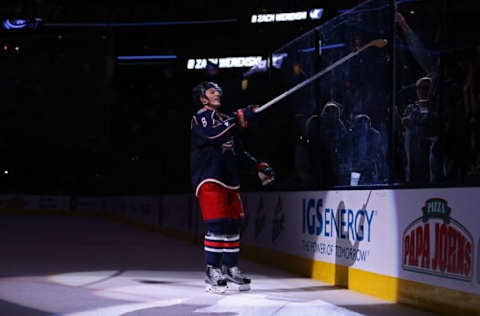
(200, 89)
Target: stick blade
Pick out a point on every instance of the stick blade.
(381, 42)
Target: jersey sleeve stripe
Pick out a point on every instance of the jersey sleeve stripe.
(223, 132)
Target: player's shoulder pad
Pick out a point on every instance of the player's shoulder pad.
(204, 117)
(201, 111)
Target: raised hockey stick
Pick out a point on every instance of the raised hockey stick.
(377, 43)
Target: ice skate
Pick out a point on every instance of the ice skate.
(215, 280)
(236, 279)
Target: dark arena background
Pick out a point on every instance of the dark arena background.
(374, 209)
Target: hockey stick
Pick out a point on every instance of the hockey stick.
(377, 43)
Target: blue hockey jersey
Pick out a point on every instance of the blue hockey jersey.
(216, 153)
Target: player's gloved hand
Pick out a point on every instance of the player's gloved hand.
(252, 108)
(265, 173)
(244, 114)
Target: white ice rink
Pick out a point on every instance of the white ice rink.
(79, 266)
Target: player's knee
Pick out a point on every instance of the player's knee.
(226, 227)
(218, 228)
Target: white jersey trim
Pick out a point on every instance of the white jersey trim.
(215, 181)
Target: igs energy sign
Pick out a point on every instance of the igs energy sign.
(437, 244)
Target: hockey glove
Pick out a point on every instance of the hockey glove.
(244, 114)
(265, 173)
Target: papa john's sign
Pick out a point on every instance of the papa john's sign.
(437, 244)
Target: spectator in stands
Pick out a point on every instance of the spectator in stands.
(364, 150)
(325, 135)
(471, 92)
(421, 130)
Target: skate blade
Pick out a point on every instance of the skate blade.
(238, 287)
(215, 289)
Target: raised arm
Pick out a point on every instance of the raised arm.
(415, 45)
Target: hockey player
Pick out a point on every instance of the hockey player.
(216, 158)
